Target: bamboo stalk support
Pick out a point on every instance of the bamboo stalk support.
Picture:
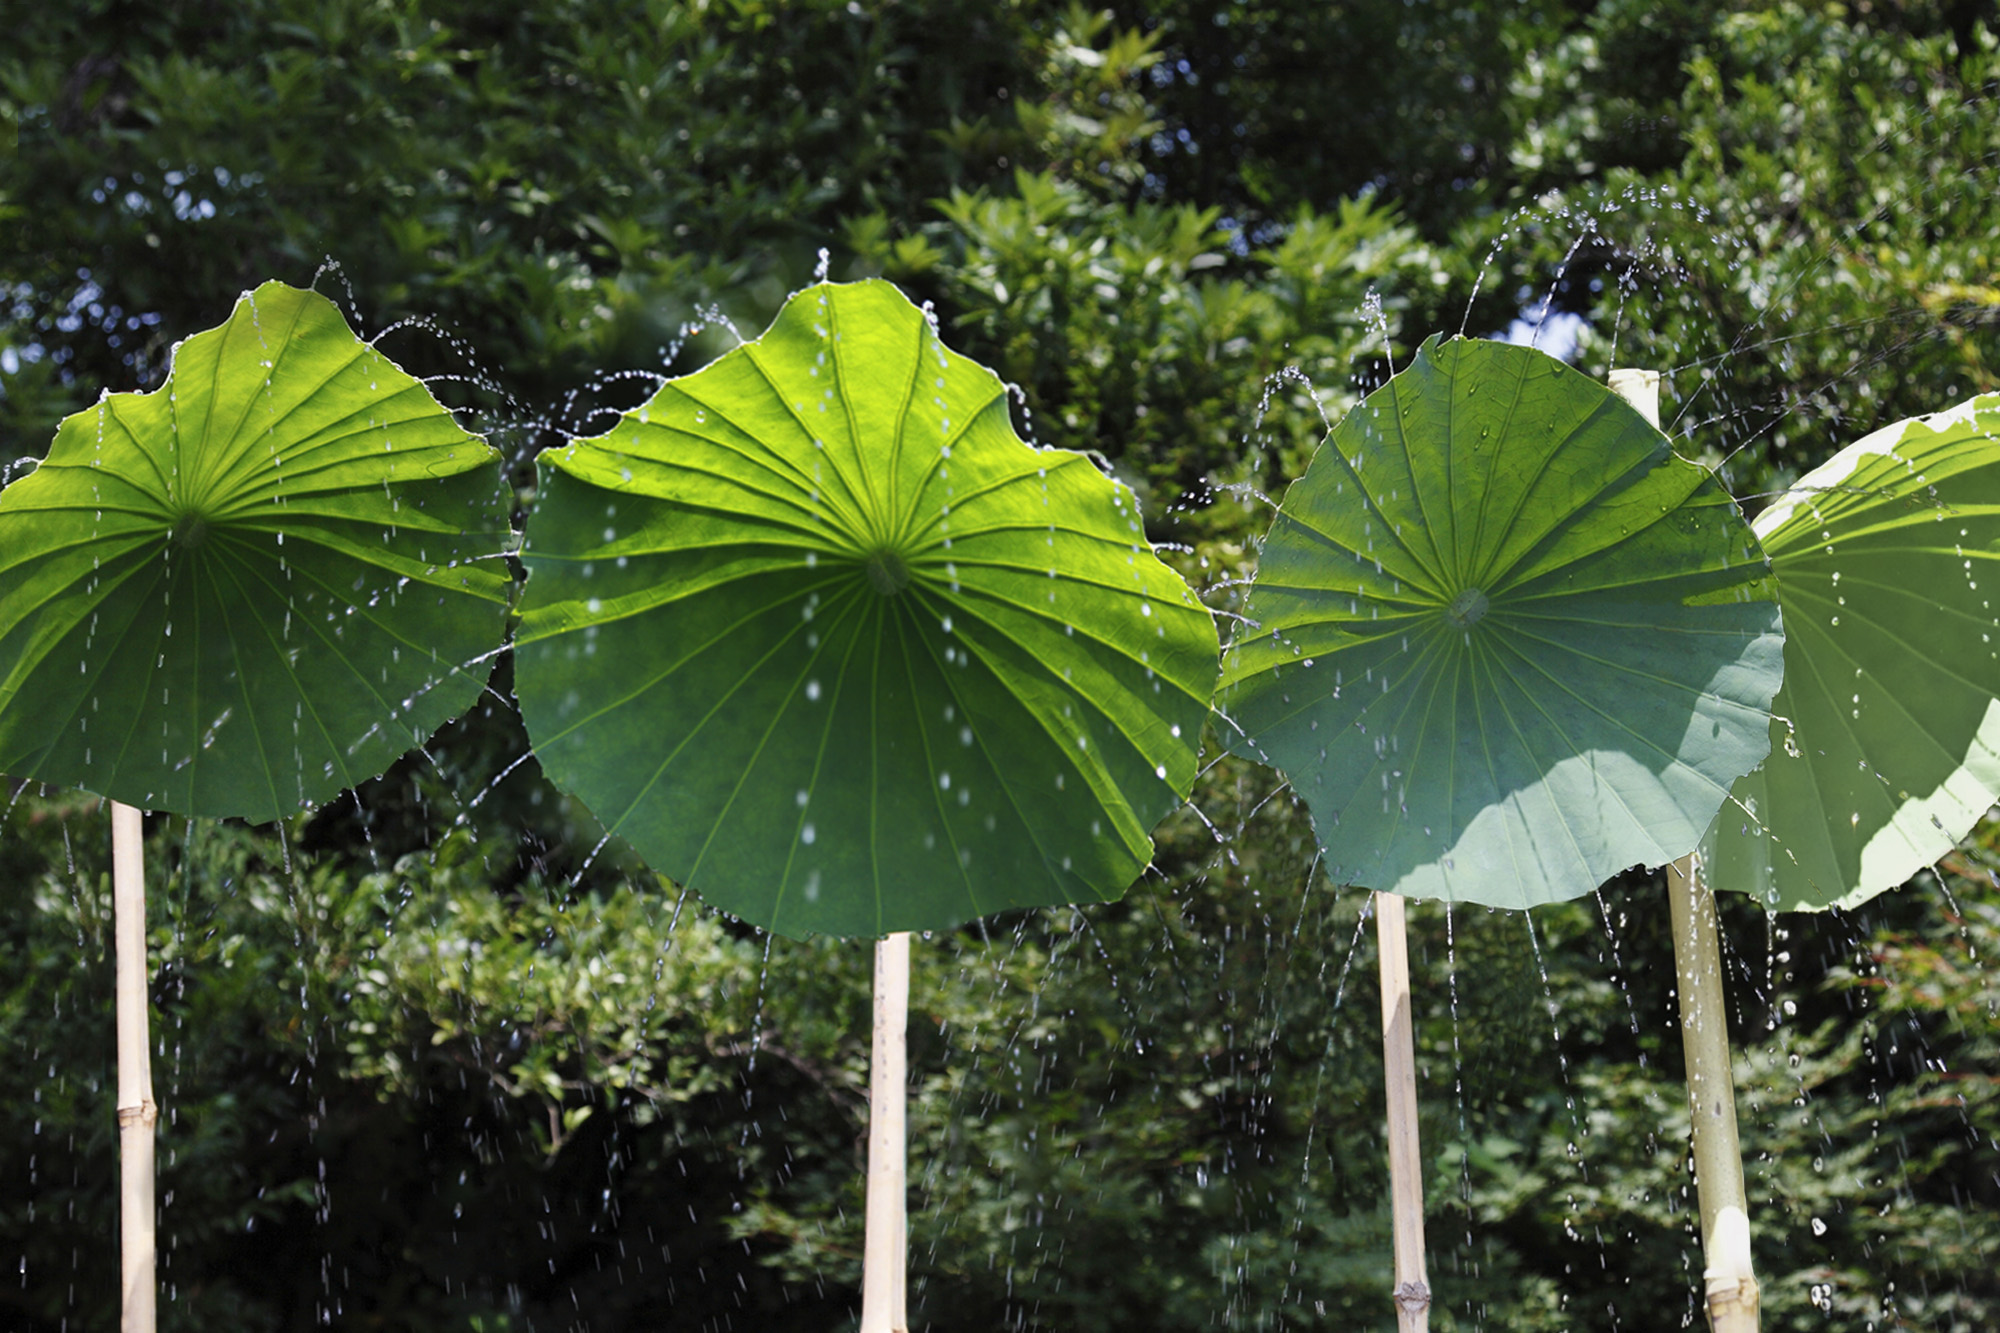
(137, 1114)
(1406, 1163)
(1731, 1287)
(885, 1266)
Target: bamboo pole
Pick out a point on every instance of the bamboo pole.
(885, 1265)
(137, 1115)
(1406, 1164)
(1730, 1286)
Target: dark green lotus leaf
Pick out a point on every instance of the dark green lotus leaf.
(1885, 747)
(255, 586)
(829, 644)
(1505, 643)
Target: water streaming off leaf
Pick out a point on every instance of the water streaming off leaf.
(1057, 1056)
(532, 1081)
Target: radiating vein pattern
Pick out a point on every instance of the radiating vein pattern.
(820, 636)
(1502, 641)
(255, 586)
(1885, 747)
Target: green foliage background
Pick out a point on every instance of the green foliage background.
(433, 1060)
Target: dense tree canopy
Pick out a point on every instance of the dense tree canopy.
(436, 1057)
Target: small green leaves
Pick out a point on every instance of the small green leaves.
(1885, 747)
(1505, 643)
(255, 586)
(819, 635)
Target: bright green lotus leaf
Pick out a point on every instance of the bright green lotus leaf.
(820, 636)
(255, 586)
(1505, 644)
(1885, 747)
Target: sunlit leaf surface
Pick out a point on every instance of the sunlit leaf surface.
(1885, 745)
(830, 645)
(1504, 643)
(255, 586)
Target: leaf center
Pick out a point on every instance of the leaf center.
(1467, 607)
(887, 573)
(190, 530)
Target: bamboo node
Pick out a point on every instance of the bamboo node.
(1732, 1299)
(145, 1114)
(1413, 1297)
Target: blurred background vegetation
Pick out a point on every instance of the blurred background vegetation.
(433, 1058)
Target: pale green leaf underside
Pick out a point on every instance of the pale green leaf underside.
(1505, 643)
(1885, 745)
(255, 586)
(827, 643)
